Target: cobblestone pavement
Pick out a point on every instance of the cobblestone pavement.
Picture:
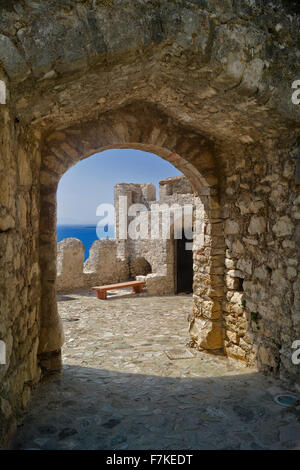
(119, 389)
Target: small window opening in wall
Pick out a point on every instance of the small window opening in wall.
(240, 287)
(139, 267)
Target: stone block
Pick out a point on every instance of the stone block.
(157, 284)
(231, 227)
(284, 227)
(25, 175)
(257, 225)
(235, 351)
(206, 334)
(13, 62)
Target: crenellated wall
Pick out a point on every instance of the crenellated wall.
(110, 260)
(102, 267)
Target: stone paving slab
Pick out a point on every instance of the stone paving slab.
(119, 390)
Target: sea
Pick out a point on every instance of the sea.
(87, 234)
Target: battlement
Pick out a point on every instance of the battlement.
(110, 260)
(174, 186)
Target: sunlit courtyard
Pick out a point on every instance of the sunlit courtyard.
(130, 381)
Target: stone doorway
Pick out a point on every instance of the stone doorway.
(138, 127)
(183, 265)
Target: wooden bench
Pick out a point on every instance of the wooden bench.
(135, 285)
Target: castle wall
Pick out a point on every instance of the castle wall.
(19, 263)
(158, 252)
(110, 259)
(205, 85)
(261, 208)
(102, 267)
(70, 258)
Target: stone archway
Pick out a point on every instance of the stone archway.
(215, 72)
(137, 126)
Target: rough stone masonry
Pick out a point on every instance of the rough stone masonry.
(205, 84)
(118, 259)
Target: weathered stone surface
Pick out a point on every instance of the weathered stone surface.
(5, 408)
(231, 227)
(146, 400)
(247, 205)
(140, 267)
(284, 227)
(266, 356)
(206, 334)
(118, 260)
(257, 225)
(235, 351)
(156, 284)
(6, 223)
(25, 175)
(245, 265)
(104, 266)
(2, 92)
(70, 257)
(14, 63)
(205, 85)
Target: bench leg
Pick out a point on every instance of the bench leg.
(137, 289)
(101, 294)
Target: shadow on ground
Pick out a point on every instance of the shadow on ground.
(113, 295)
(89, 408)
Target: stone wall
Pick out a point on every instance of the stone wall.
(19, 263)
(158, 252)
(206, 85)
(70, 257)
(261, 210)
(102, 267)
(110, 259)
(172, 190)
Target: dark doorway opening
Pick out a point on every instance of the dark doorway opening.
(184, 265)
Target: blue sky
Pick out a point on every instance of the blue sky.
(91, 181)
